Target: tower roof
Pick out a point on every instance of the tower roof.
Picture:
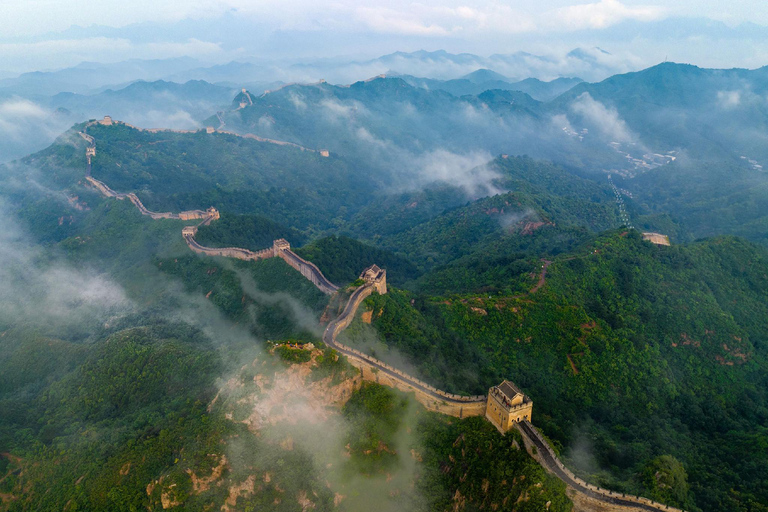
(509, 389)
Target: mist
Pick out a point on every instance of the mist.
(49, 295)
(27, 126)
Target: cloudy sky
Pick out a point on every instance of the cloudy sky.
(50, 34)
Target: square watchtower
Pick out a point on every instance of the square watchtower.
(377, 277)
(507, 405)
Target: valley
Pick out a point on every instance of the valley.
(327, 331)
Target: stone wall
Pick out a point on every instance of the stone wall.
(456, 409)
(378, 371)
(308, 270)
(527, 430)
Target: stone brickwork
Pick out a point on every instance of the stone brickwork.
(378, 371)
(507, 405)
(376, 277)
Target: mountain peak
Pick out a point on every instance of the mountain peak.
(484, 75)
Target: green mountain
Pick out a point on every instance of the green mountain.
(709, 112)
(156, 405)
(672, 127)
(144, 376)
(483, 80)
(630, 352)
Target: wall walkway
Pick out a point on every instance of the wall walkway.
(378, 371)
(552, 463)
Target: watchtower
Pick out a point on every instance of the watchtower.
(280, 245)
(107, 121)
(507, 405)
(212, 213)
(377, 277)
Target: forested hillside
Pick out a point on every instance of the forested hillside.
(630, 352)
(151, 405)
(683, 140)
(647, 365)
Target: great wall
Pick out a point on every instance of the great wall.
(505, 406)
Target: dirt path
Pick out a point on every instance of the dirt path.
(543, 277)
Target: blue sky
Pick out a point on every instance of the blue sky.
(49, 34)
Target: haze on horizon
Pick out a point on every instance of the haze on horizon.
(49, 34)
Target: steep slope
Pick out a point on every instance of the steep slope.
(545, 207)
(388, 121)
(171, 171)
(629, 351)
(704, 111)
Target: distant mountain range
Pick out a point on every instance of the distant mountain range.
(669, 107)
(91, 77)
(483, 80)
(634, 125)
(643, 128)
(150, 104)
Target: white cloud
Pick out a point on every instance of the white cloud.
(297, 101)
(383, 19)
(468, 171)
(605, 119)
(26, 126)
(601, 14)
(39, 293)
(337, 110)
(18, 116)
(729, 99)
(178, 120)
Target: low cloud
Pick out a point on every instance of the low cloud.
(468, 171)
(26, 126)
(49, 294)
(337, 110)
(606, 120)
(510, 220)
(19, 118)
(177, 120)
(729, 99)
(298, 101)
